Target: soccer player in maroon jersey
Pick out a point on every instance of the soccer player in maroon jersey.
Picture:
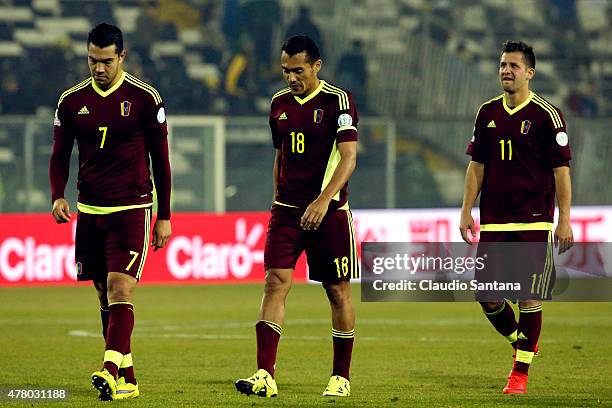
(520, 161)
(119, 123)
(314, 134)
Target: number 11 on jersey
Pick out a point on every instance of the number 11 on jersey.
(501, 143)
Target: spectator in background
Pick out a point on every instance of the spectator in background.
(352, 73)
(214, 44)
(13, 99)
(240, 84)
(259, 20)
(583, 102)
(303, 25)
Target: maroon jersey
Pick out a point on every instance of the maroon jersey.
(116, 132)
(307, 132)
(519, 148)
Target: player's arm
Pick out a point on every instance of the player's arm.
(472, 185)
(157, 138)
(473, 178)
(318, 208)
(559, 155)
(276, 171)
(564, 237)
(59, 166)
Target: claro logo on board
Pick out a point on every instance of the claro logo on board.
(193, 257)
(24, 259)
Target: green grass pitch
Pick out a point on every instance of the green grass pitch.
(191, 343)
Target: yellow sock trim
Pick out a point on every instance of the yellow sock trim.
(512, 337)
(532, 309)
(113, 356)
(343, 334)
(495, 312)
(523, 356)
(120, 303)
(126, 361)
(274, 326)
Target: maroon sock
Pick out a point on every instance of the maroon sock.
(104, 316)
(268, 336)
(128, 372)
(343, 349)
(530, 324)
(504, 321)
(120, 325)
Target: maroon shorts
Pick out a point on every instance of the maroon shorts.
(331, 250)
(116, 242)
(525, 257)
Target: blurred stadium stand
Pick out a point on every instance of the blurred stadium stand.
(428, 64)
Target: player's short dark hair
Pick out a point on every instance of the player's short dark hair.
(104, 35)
(526, 50)
(301, 43)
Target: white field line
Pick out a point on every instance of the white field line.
(195, 336)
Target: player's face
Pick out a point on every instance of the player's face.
(513, 72)
(104, 64)
(300, 73)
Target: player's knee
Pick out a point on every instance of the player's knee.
(277, 281)
(338, 293)
(489, 307)
(119, 290)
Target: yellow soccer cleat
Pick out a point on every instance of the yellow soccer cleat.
(126, 390)
(337, 387)
(105, 383)
(261, 383)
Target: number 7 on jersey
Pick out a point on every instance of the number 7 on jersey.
(103, 129)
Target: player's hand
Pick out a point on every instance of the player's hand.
(311, 220)
(161, 233)
(61, 211)
(564, 237)
(467, 223)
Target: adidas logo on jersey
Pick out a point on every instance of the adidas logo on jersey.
(491, 124)
(84, 111)
(283, 116)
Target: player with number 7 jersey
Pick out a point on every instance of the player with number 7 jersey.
(119, 123)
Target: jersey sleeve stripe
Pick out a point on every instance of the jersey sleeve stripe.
(140, 81)
(551, 110)
(342, 96)
(549, 105)
(143, 85)
(340, 100)
(75, 88)
(342, 92)
(344, 104)
(281, 92)
(552, 117)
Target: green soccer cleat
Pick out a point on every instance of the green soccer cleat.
(105, 383)
(337, 387)
(126, 390)
(261, 383)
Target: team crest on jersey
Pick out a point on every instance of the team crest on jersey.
(318, 115)
(125, 108)
(525, 125)
(79, 269)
